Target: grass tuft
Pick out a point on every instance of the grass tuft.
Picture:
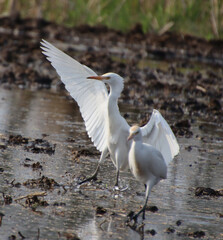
(200, 18)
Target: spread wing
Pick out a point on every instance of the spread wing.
(158, 133)
(90, 95)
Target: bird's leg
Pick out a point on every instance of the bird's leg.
(148, 190)
(116, 187)
(94, 176)
(117, 178)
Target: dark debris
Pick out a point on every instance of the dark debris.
(41, 146)
(203, 191)
(100, 210)
(17, 140)
(43, 183)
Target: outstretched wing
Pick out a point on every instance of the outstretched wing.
(158, 133)
(90, 95)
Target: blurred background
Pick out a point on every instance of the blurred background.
(202, 18)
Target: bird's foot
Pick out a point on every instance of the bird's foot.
(117, 188)
(132, 220)
(93, 177)
(139, 228)
(134, 217)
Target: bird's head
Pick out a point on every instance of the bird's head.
(133, 131)
(112, 79)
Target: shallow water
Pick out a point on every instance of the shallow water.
(56, 118)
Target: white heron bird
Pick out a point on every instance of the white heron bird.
(105, 126)
(146, 163)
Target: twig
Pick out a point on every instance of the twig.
(37, 194)
(100, 225)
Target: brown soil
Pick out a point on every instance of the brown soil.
(195, 92)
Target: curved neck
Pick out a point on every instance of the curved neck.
(115, 92)
(114, 116)
(112, 103)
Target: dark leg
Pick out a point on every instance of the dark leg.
(94, 176)
(117, 178)
(148, 190)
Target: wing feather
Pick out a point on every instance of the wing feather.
(90, 95)
(158, 133)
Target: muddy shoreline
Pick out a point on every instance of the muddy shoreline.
(45, 151)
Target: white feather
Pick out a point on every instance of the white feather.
(91, 96)
(158, 133)
(105, 126)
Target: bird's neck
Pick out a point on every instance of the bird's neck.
(112, 105)
(138, 139)
(115, 92)
(115, 120)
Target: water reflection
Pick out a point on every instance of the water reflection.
(33, 114)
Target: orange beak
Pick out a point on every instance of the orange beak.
(100, 78)
(131, 135)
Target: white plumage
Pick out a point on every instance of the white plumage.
(146, 163)
(105, 126)
(91, 96)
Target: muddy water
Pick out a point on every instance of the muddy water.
(72, 211)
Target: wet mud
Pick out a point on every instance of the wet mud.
(45, 151)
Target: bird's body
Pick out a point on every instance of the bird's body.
(105, 126)
(146, 163)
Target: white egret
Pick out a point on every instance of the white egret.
(105, 126)
(146, 163)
